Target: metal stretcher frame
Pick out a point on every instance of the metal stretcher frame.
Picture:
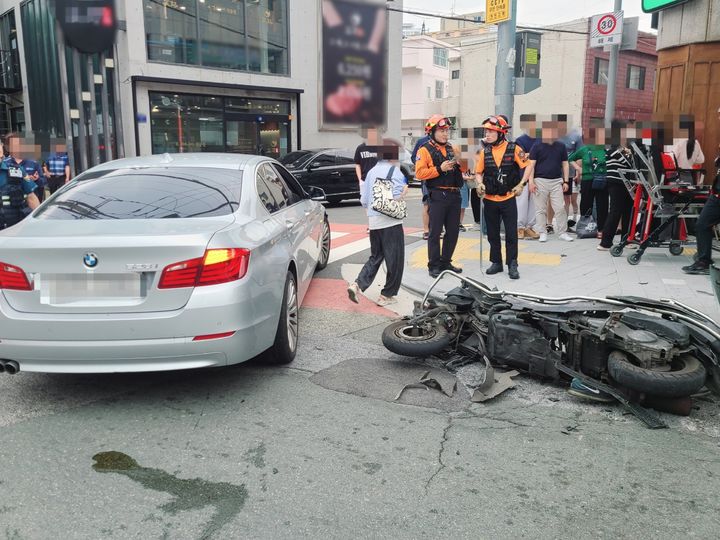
(650, 201)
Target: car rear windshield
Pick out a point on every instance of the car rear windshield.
(148, 193)
(296, 160)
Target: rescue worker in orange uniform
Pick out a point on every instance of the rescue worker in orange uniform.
(499, 180)
(437, 166)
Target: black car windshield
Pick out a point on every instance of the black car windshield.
(147, 193)
(297, 160)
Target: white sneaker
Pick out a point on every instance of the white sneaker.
(566, 237)
(543, 237)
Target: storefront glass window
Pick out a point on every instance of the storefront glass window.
(222, 33)
(171, 30)
(185, 123)
(245, 35)
(267, 35)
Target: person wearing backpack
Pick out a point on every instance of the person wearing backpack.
(499, 181)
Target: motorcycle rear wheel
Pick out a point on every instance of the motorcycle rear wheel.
(407, 339)
(687, 379)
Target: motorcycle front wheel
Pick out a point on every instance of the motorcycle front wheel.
(406, 339)
(686, 377)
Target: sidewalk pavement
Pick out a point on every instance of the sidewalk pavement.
(558, 268)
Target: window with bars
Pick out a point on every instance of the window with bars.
(439, 89)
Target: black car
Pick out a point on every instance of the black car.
(331, 169)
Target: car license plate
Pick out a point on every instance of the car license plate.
(73, 288)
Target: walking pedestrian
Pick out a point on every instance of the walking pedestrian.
(525, 200)
(366, 155)
(387, 239)
(499, 181)
(439, 169)
(549, 180)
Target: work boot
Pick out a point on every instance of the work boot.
(530, 234)
(513, 270)
(521, 233)
(495, 268)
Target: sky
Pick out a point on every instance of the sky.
(530, 12)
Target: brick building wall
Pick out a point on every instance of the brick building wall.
(630, 104)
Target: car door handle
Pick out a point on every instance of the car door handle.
(336, 173)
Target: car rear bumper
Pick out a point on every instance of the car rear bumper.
(123, 356)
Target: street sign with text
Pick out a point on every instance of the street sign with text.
(606, 29)
(497, 11)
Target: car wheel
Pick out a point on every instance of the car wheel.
(324, 247)
(286, 338)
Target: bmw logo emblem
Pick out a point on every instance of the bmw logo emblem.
(90, 260)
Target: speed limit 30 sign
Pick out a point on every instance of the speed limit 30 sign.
(606, 29)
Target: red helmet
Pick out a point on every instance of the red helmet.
(436, 120)
(497, 123)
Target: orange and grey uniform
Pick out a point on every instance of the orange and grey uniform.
(443, 201)
(501, 167)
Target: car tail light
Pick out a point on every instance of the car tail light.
(13, 277)
(216, 266)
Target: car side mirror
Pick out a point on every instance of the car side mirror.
(316, 194)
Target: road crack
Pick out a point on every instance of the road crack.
(441, 464)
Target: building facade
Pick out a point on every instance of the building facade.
(186, 75)
(573, 75)
(426, 78)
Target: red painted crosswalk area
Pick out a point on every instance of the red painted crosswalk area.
(331, 294)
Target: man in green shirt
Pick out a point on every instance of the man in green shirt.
(590, 162)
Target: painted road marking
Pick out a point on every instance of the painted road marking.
(332, 294)
(469, 250)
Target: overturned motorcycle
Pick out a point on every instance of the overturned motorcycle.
(637, 350)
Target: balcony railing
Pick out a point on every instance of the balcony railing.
(9, 72)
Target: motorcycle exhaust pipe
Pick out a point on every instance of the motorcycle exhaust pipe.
(11, 367)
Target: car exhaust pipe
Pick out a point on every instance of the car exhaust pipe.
(11, 367)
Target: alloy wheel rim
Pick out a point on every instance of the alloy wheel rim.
(325, 250)
(292, 315)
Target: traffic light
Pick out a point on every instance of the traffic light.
(88, 25)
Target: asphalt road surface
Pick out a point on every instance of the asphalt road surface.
(320, 449)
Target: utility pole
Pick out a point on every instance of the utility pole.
(505, 66)
(612, 76)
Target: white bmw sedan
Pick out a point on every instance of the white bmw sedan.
(161, 263)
